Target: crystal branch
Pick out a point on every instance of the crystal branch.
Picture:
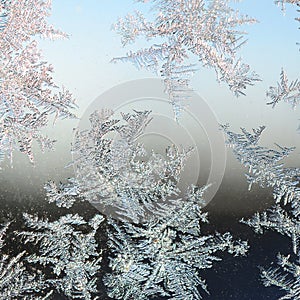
(28, 95)
(205, 30)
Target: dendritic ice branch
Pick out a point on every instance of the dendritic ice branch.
(285, 91)
(69, 249)
(64, 194)
(15, 281)
(286, 277)
(28, 95)
(279, 220)
(205, 30)
(265, 166)
(163, 257)
(115, 173)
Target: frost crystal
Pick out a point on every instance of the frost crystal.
(265, 166)
(15, 281)
(162, 254)
(162, 257)
(69, 250)
(277, 219)
(64, 195)
(28, 94)
(114, 171)
(286, 278)
(266, 169)
(285, 91)
(203, 29)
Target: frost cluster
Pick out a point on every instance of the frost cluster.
(28, 94)
(181, 31)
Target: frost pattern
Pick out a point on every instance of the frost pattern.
(28, 95)
(162, 257)
(266, 168)
(70, 251)
(153, 256)
(64, 195)
(15, 281)
(203, 29)
(286, 277)
(114, 171)
(285, 91)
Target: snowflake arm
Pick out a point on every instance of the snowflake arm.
(286, 277)
(277, 219)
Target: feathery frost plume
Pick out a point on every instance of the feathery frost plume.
(162, 257)
(28, 95)
(69, 249)
(155, 255)
(115, 173)
(285, 91)
(15, 280)
(267, 169)
(181, 31)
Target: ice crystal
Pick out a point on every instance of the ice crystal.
(163, 253)
(203, 29)
(114, 171)
(28, 95)
(265, 166)
(162, 257)
(70, 251)
(64, 195)
(285, 91)
(279, 220)
(287, 277)
(15, 281)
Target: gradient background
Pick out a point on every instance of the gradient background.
(82, 64)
